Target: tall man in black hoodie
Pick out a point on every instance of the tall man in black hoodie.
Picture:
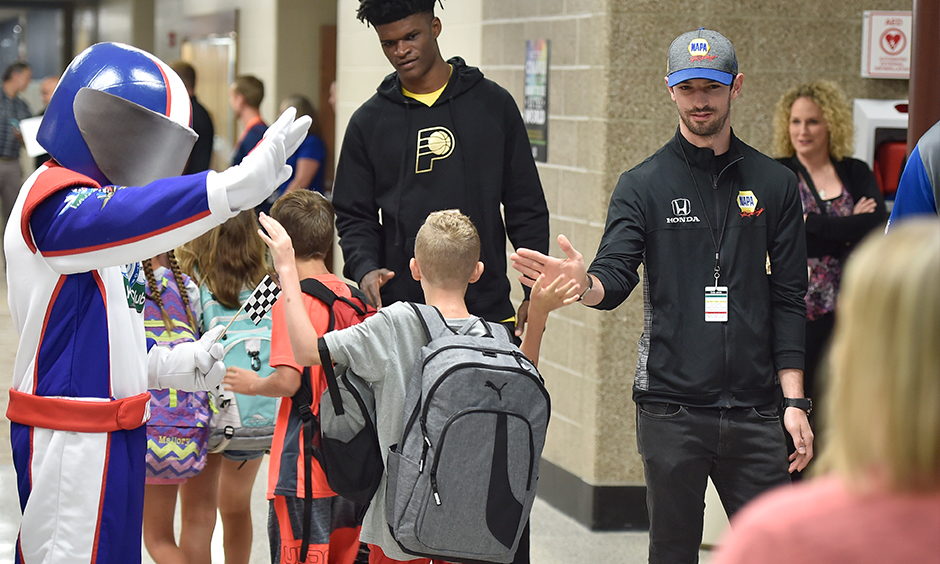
(436, 135)
(723, 334)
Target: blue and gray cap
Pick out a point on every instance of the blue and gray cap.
(701, 54)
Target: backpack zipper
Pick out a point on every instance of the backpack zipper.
(440, 447)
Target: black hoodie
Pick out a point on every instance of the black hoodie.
(468, 151)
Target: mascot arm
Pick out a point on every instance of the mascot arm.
(188, 366)
(81, 229)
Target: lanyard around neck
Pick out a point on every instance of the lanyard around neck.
(724, 224)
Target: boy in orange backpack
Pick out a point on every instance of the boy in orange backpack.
(334, 533)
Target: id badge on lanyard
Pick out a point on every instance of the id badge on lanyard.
(716, 304)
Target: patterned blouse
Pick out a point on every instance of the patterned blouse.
(825, 273)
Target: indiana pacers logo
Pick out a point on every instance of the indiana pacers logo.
(434, 143)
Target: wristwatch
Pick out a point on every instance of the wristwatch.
(589, 288)
(806, 404)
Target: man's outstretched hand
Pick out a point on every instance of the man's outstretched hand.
(533, 263)
(372, 282)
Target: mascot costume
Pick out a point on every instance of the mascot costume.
(117, 129)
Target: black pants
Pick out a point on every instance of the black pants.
(742, 449)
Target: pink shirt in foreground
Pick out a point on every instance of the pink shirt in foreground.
(821, 522)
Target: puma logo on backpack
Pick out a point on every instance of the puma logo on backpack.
(461, 480)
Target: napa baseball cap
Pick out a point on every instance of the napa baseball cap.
(701, 54)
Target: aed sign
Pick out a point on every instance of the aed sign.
(886, 44)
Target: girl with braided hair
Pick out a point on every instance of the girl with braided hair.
(170, 317)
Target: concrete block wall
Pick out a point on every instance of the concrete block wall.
(587, 356)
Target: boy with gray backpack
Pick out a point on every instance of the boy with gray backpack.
(462, 445)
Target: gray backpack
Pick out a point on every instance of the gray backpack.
(461, 480)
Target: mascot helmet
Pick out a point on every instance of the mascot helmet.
(120, 116)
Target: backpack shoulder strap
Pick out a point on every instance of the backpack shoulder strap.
(501, 332)
(432, 321)
(472, 322)
(359, 295)
(315, 288)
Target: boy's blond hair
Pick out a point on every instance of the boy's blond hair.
(447, 249)
(884, 400)
(307, 218)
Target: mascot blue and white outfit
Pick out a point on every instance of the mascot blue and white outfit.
(117, 129)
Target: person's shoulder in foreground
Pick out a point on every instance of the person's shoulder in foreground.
(833, 524)
(881, 499)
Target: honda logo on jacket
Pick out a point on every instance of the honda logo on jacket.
(681, 208)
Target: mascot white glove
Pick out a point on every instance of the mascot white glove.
(246, 185)
(187, 366)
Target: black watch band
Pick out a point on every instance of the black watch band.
(806, 404)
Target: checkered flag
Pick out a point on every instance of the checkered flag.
(261, 300)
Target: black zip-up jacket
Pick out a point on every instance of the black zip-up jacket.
(658, 218)
(469, 151)
(833, 236)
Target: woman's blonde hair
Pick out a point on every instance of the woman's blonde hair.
(227, 259)
(835, 109)
(883, 412)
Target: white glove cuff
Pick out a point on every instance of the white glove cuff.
(218, 198)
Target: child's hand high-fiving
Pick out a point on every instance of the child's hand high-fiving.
(277, 239)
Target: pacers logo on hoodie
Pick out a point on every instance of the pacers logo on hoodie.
(434, 143)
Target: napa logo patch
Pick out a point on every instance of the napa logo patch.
(434, 143)
(698, 51)
(134, 285)
(699, 47)
(747, 201)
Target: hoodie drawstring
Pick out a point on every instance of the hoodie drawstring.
(400, 228)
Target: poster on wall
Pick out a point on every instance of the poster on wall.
(886, 44)
(535, 100)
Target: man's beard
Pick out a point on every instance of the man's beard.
(709, 128)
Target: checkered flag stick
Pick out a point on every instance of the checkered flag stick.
(258, 303)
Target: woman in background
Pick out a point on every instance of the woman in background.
(880, 501)
(841, 201)
(308, 161)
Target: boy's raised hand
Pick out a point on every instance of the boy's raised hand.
(560, 292)
(277, 239)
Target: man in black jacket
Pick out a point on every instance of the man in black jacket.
(436, 135)
(201, 157)
(723, 329)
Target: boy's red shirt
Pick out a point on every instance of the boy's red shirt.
(285, 472)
